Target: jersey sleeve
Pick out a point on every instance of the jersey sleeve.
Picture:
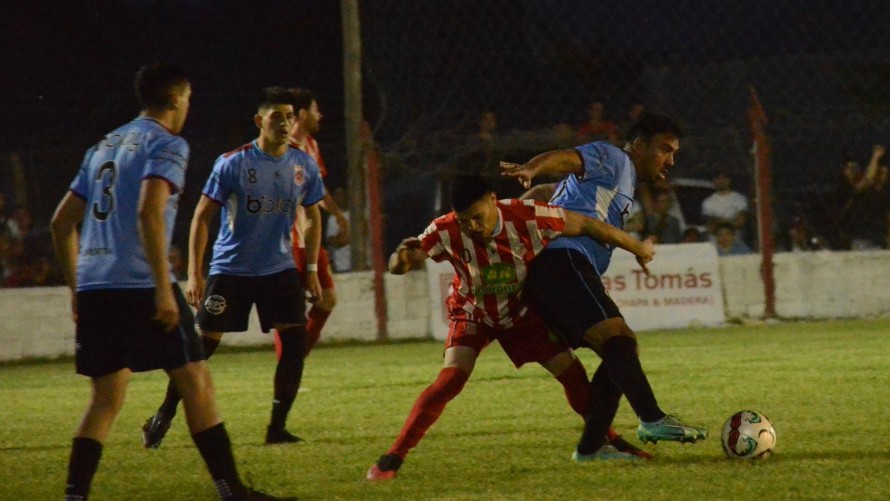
(550, 220)
(217, 187)
(313, 189)
(80, 186)
(168, 161)
(431, 242)
(598, 165)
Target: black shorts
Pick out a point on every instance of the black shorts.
(115, 330)
(279, 299)
(568, 292)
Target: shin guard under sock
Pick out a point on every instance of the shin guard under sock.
(623, 364)
(427, 409)
(82, 466)
(288, 373)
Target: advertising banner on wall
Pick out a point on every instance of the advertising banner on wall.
(682, 290)
(683, 287)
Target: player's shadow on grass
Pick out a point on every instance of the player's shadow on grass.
(779, 457)
(425, 382)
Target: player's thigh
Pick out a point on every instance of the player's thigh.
(464, 343)
(99, 346)
(597, 335)
(227, 303)
(116, 330)
(529, 340)
(280, 299)
(569, 294)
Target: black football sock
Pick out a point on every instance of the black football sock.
(288, 373)
(216, 449)
(623, 364)
(82, 465)
(604, 399)
(171, 399)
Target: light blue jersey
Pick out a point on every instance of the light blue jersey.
(259, 194)
(604, 191)
(110, 178)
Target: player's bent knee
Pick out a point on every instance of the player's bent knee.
(293, 343)
(597, 335)
(216, 336)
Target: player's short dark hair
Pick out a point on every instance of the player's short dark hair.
(270, 96)
(302, 98)
(467, 189)
(155, 83)
(650, 124)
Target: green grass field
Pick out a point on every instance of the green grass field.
(509, 435)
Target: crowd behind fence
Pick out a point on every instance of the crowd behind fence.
(457, 86)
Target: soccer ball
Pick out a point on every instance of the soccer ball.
(748, 434)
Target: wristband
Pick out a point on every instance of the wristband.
(312, 267)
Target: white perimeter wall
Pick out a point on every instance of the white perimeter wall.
(35, 322)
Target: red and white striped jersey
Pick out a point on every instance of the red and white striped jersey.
(489, 278)
(310, 146)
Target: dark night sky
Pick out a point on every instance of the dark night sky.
(82, 56)
(66, 68)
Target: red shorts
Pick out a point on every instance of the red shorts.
(325, 275)
(529, 340)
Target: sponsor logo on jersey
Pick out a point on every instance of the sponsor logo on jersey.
(268, 205)
(215, 305)
(299, 175)
(498, 279)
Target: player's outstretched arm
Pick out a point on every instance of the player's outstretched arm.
(552, 163)
(581, 225)
(407, 256)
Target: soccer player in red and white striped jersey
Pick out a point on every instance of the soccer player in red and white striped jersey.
(307, 124)
(490, 243)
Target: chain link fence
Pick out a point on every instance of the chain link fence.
(457, 85)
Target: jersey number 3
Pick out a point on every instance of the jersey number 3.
(105, 203)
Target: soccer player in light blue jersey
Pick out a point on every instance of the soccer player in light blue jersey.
(565, 284)
(130, 314)
(257, 187)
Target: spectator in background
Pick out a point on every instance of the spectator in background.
(596, 128)
(4, 217)
(661, 226)
(725, 205)
(20, 223)
(336, 240)
(864, 209)
(800, 237)
(726, 241)
(634, 112)
(6, 261)
(691, 235)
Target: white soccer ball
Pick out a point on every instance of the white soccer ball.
(748, 434)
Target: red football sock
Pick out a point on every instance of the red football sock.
(577, 388)
(315, 320)
(428, 408)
